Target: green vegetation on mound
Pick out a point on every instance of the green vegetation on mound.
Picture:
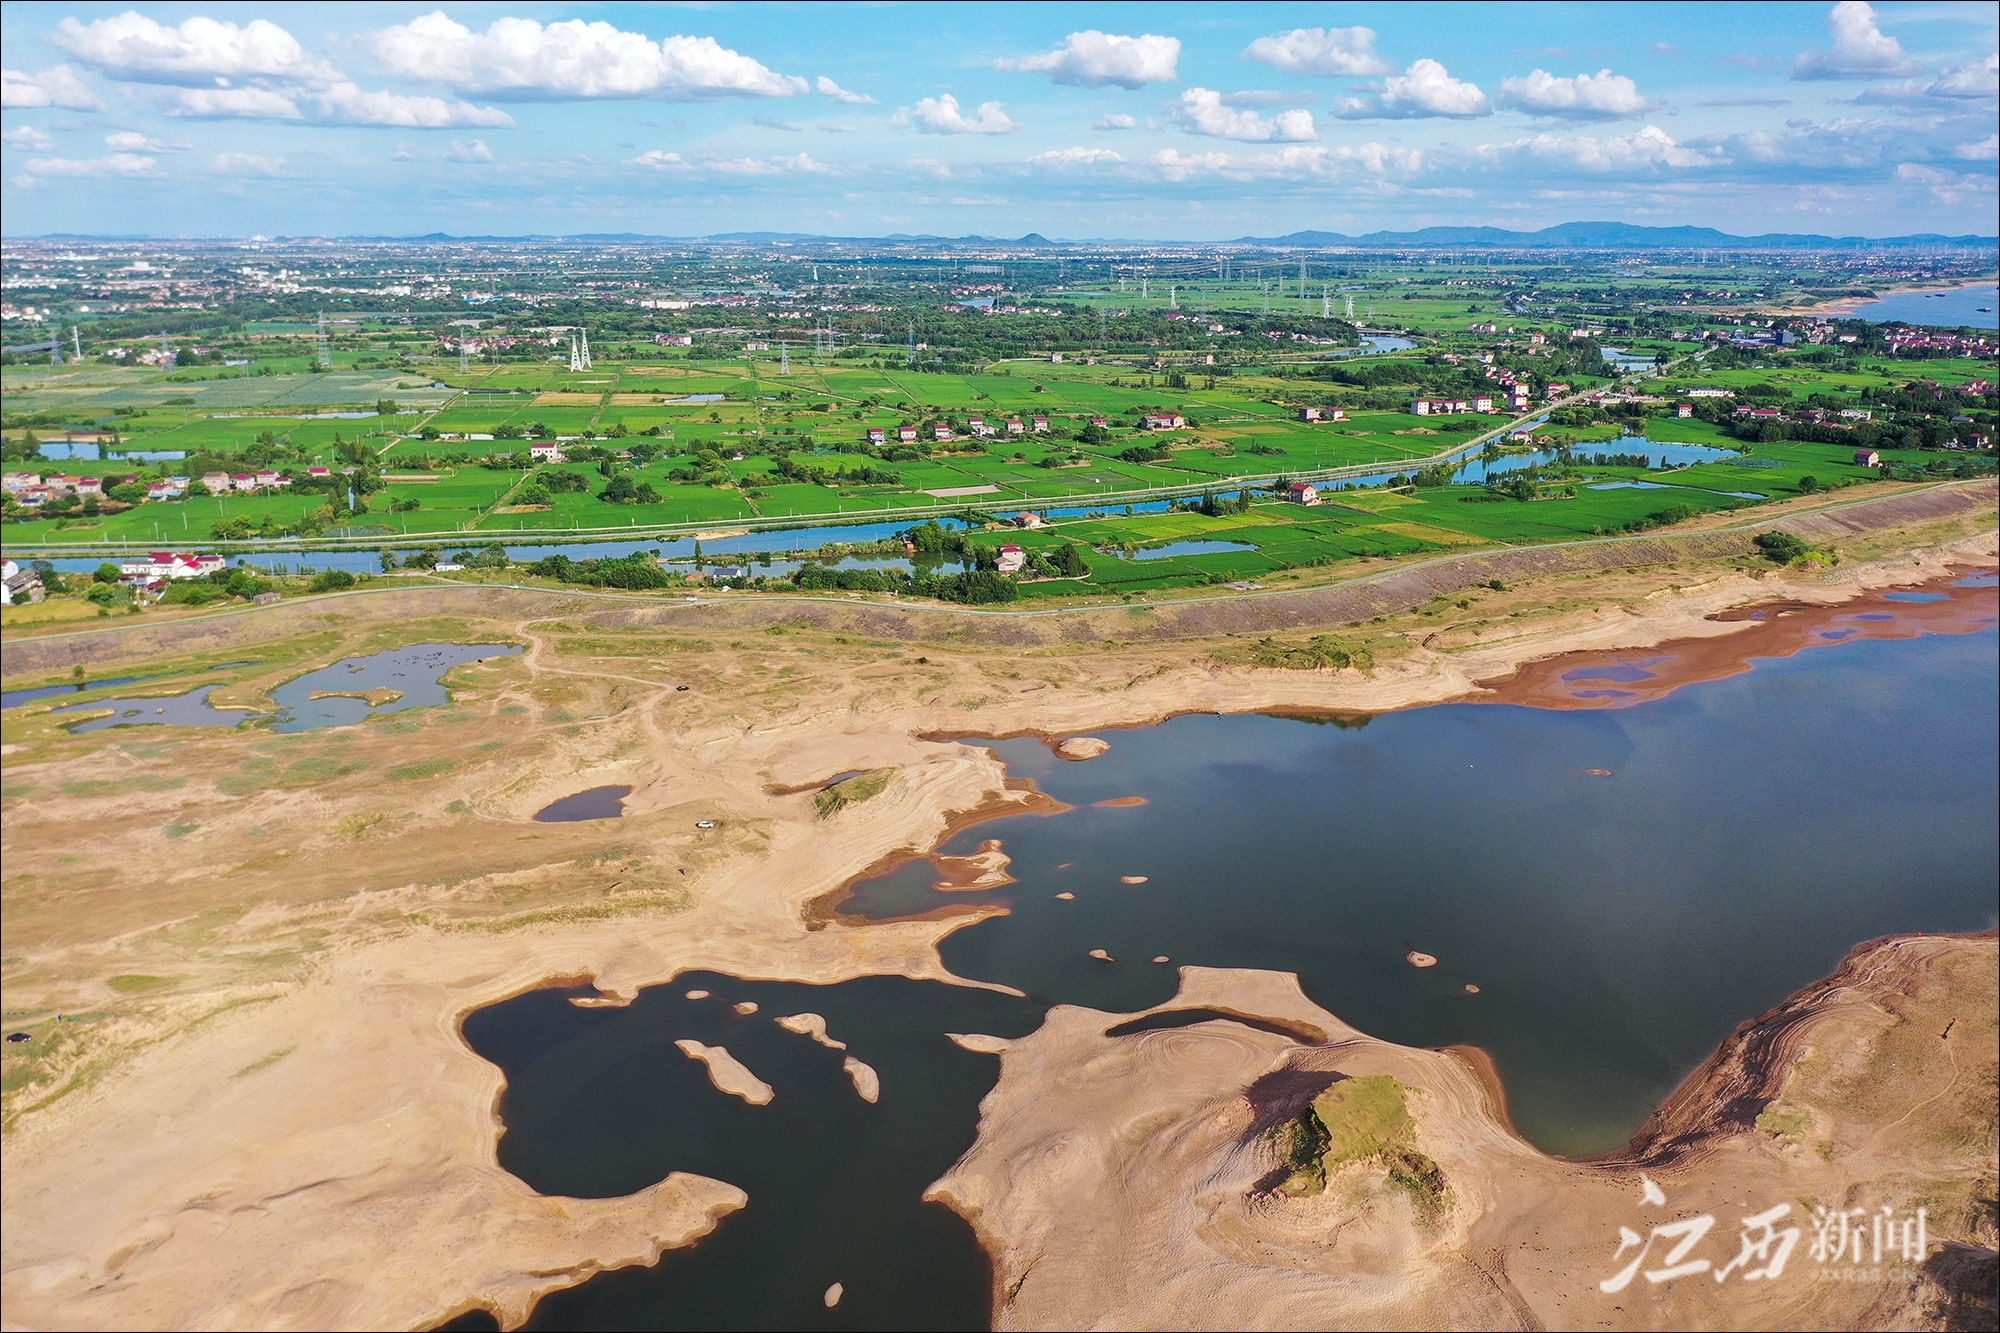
(853, 791)
(1359, 1120)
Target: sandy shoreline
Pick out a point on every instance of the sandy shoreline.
(1847, 305)
(265, 1143)
(1123, 1177)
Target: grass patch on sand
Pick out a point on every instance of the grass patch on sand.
(132, 983)
(429, 768)
(853, 791)
(1359, 1120)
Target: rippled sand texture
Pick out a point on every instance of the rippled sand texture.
(1132, 1181)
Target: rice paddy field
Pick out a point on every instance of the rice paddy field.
(1240, 425)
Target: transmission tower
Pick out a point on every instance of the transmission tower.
(575, 357)
(1302, 277)
(55, 349)
(323, 353)
(76, 335)
(586, 349)
(1265, 288)
(784, 358)
(1350, 307)
(910, 348)
(167, 357)
(1173, 298)
(1143, 287)
(1325, 302)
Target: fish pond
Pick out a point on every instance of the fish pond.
(1623, 885)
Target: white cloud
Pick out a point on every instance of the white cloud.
(1328, 51)
(1861, 50)
(118, 164)
(254, 72)
(245, 164)
(201, 50)
(574, 59)
(1977, 78)
(1075, 157)
(940, 115)
(1946, 187)
(1096, 59)
(29, 138)
(1205, 111)
(1986, 150)
(345, 104)
(1117, 121)
(52, 87)
(1650, 147)
(234, 104)
(341, 103)
(470, 150)
(661, 160)
(1599, 96)
(1425, 89)
(834, 127)
(1316, 161)
(828, 88)
(125, 141)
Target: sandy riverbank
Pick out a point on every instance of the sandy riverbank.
(1140, 1181)
(1847, 305)
(258, 1110)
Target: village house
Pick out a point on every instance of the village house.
(1683, 410)
(1303, 493)
(217, 482)
(15, 481)
(317, 471)
(941, 433)
(18, 585)
(906, 434)
(1309, 414)
(243, 481)
(1163, 421)
(1012, 559)
(1041, 425)
(1424, 407)
(1028, 519)
(1100, 422)
(1857, 413)
(1015, 426)
(876, 435)
(545, 453)
(1482, 404)
(161, 567)
(1558, 390)
(1867, 458)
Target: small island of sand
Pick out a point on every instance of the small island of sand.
(728, 1073)
(1082, 747)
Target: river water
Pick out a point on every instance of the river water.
(1977, 305)
(1749, 831)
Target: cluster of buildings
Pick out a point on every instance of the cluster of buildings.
(978, 426)
(219, 483)
(31, 488)
(1322, 414)
(160, 568)
(1932, 340)
(35, 489)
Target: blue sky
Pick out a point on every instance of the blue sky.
(1192, 122)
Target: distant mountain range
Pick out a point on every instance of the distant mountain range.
(1566, 236)
(1607, 236)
